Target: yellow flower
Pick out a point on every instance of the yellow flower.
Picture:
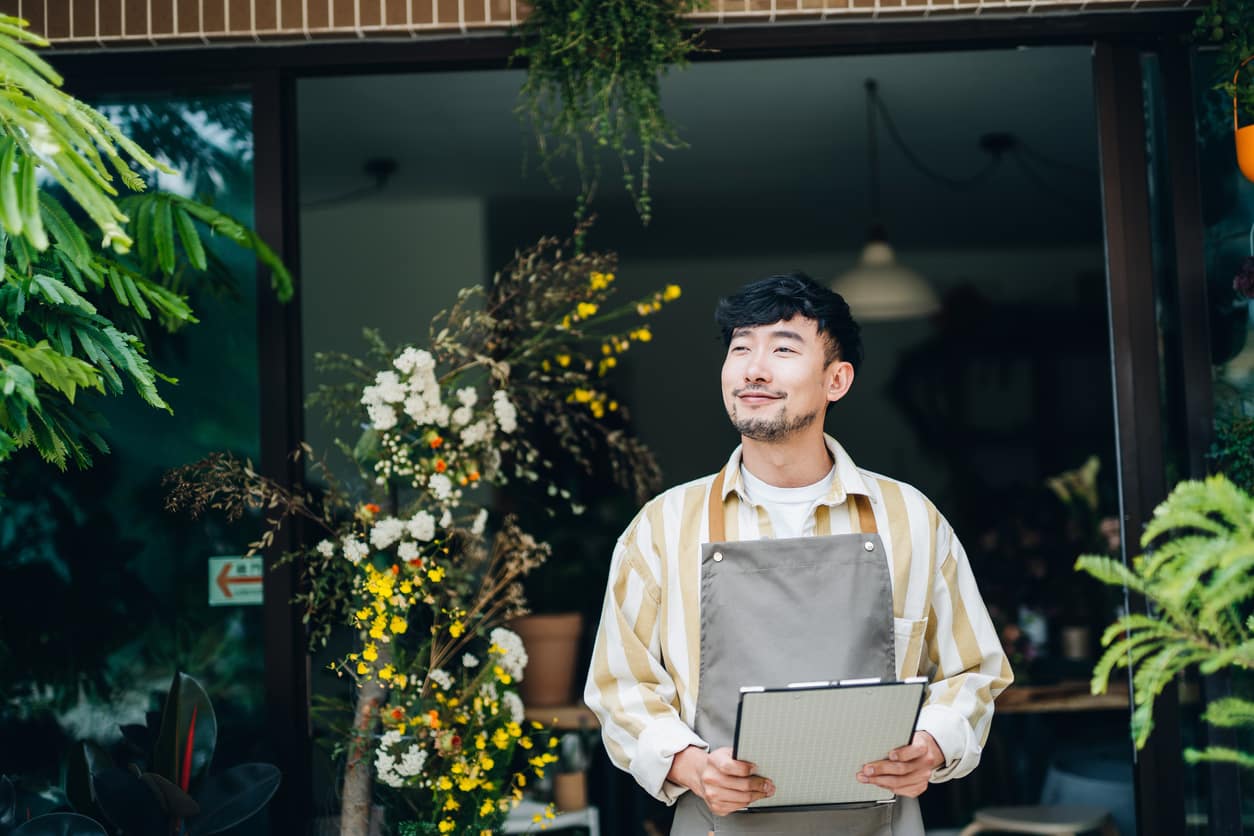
(406, 587)
(643, 309)
(583, 395)
(606, 348)
(501, 675)
(444, 783)
(456, 629)
(514, 729)
(447, 826)
(486, 763)
(546, 365)
(487, 807)
(467, 784)
(387, 672)
(458, 769)
(363, 614)
(521, 779)
(585, 309)
(563, 360)
(671, 293)
(600, 281)
(613, 406)
(436, 574)
(398, 625)
(362, 669)
(500, 739)
(525, 742)
(553, 741)
(481, 741)
(401, 680)
(451, 804)
(370, 653)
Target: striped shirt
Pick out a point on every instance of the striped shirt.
(644, 676)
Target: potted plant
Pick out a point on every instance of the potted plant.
(1198, 573)
(414, 560)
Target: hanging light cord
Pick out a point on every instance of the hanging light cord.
(875, 105)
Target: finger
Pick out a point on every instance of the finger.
(909, 752)
(728, 765)
(732, 783)
(889, 768)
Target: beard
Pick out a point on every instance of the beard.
(773, 429)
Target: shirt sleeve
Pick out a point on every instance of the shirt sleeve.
(968, 666)
(628, 687)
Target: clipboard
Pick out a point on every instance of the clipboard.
(812, 738)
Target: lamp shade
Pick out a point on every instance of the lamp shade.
(878, 288)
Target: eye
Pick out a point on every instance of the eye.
(785, 348)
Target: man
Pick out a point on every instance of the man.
(791, 564)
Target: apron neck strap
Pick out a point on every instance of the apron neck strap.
(717, 525)
(861, 515)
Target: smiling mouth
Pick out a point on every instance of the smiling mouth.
(755, 396)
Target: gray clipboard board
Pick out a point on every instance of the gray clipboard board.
(812, 738)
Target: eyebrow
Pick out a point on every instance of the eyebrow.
(778, 333)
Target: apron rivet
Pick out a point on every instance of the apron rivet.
(718, 556)
(869, 546)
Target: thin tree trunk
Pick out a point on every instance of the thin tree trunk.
(357, 795)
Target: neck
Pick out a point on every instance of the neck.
(794, 462)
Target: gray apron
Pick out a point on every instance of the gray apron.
(791, 610)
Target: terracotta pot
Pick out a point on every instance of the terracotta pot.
(570, 791)
(552, 643)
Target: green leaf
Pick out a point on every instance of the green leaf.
(191, 239)
(163, 235)
(64, 374)
(187, 716)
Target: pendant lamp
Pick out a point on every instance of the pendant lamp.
(879, 288)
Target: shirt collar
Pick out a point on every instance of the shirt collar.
(848, 480)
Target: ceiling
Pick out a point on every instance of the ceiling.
(776, 145)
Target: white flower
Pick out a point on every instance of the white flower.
(407, 551)
(467, 397)
(481, 522)
(462, 416)
(416, 408)
(475, 433)
(488, 691)
(439, 415)
(386, 531)
(446, 519)
(326, 548)
(413, 359)
(412, 761)
(391, 390)
(469, 661)
(382, 416)
(506, 414)
(390, 738)
(513, 706)
(422, 526)
(385, 766)
(441, 677)
(441, 486)
(510, 647)
(354, 549)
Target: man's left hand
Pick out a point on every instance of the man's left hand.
(907, 769)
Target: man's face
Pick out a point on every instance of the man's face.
(776, 381)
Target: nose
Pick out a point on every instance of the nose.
(756, 370)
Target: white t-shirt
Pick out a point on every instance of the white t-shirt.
(788, 508)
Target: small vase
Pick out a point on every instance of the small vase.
(552, 643)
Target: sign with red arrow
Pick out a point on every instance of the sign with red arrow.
(235, 580)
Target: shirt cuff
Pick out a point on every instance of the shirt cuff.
(955, 737)
(656, 748)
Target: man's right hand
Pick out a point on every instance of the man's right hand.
(724, 783)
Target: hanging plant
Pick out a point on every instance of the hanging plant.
(1229, 26)
(594, 70)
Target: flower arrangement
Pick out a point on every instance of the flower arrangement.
(413, 561)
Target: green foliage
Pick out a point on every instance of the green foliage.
(1198, 572)
(73, 315)
(594, 70)
(1232, 452)
(1229, 25)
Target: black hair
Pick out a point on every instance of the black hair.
(782, 297)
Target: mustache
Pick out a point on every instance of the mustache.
(761, 390)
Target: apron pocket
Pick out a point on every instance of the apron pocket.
(908, 645)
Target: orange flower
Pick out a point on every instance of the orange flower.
(473, 476)
(436, 443)
(398, 713)
(371, 508)
(440, 466)
(396, 570)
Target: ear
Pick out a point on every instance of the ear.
(838, 379)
